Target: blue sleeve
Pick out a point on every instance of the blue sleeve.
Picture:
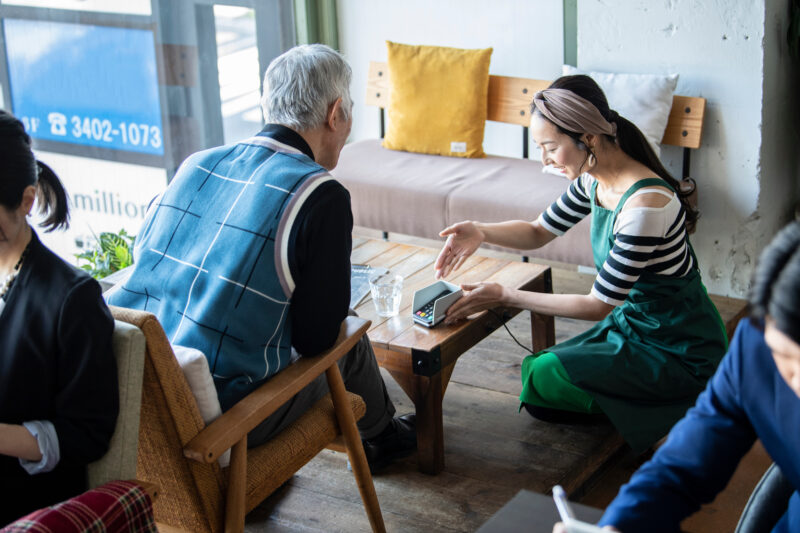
(697, 460)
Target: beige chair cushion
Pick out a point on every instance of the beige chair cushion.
(120, 460)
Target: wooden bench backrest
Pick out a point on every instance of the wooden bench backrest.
(510, 98)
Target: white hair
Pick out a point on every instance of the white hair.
(302, 83)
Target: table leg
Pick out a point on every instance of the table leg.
(543, 331)
(427, 394)
(430, 435)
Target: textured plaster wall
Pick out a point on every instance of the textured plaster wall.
(527, 38)
(733, 53)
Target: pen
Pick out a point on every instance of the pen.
(560, 498)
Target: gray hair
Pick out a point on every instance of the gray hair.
(302, 83)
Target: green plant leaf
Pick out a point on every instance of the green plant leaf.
(111, 252)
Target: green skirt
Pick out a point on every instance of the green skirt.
(646, 362)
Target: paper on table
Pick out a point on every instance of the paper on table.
(359, 281)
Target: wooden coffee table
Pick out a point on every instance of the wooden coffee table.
(422, 359)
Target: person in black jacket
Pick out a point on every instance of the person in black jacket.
(58, 381)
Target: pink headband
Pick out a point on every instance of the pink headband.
(572, 112)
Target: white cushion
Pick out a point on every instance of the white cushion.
(195, 368)
(644, 99)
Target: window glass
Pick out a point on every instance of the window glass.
(130, 7)
(117, 93)
(237, 62)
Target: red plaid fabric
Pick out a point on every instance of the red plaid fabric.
(116, 507)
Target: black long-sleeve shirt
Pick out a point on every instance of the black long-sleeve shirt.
(322, 241)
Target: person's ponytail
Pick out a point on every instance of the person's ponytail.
(633, 142)
(20, 169)
(52, 199)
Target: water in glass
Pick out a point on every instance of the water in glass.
(386, 292)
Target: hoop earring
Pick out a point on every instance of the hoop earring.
(591, 160)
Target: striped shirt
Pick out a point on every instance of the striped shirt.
(646, 239)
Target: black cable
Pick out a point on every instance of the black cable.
(502, 321)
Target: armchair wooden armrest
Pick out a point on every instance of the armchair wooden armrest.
(233, 425)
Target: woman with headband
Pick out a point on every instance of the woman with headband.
(58, 378)
(658, 337)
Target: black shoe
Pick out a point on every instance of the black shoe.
(560, 416)
(399, 439)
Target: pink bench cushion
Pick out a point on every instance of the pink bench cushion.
(417, 194)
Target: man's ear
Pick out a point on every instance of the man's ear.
(334, 112)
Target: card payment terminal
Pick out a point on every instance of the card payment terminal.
(431, 303)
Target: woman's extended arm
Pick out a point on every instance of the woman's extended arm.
(519, 234)
(480, 296)
(465, 237)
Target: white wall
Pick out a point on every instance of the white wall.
(733, 53)
(527, 38)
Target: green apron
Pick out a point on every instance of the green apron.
(647, 361)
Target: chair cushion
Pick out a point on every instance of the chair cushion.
(195, 368)
(128, 344)
(420, 195)
(438, 100)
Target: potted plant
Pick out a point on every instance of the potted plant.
(111, 252)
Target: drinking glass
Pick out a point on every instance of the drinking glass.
(386, 292)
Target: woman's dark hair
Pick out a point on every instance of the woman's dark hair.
(19, 169)
(629, 138)
(776, 284)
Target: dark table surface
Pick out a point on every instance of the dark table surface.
(534, 513)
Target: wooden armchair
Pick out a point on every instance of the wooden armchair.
(179, 453)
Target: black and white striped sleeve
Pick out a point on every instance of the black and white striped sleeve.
(570, 208)
(638, 233)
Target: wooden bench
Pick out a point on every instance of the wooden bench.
(419, 195)
(510, 100)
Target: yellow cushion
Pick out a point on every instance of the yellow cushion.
(437, 103)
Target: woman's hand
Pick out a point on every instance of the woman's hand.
(477, 297)
(462, 241)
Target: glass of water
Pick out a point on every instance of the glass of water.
(386, 291)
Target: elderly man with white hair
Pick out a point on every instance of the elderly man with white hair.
(246, 254)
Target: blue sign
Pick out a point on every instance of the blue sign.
(84, 84)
